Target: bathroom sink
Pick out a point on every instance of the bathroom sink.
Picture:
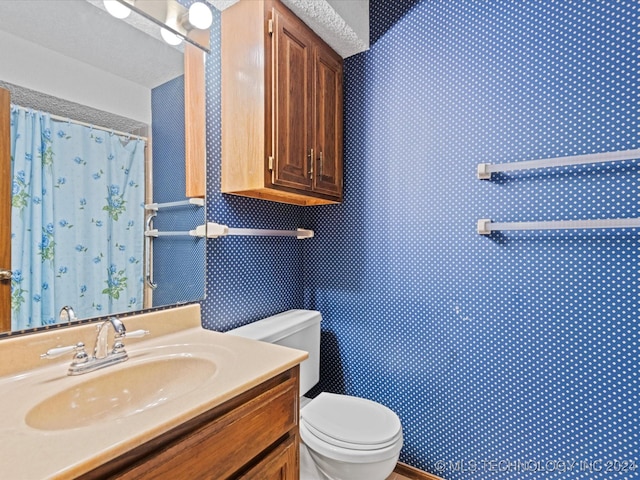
(127, 390)
(173, 377)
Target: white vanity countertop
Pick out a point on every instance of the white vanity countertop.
(29, 453)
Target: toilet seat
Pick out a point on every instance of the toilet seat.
(350, 428)
(348, 445)
(348, 455)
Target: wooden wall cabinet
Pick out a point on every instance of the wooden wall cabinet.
(281, 107)
(252, 436)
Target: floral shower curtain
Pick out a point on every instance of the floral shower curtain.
(77, 220)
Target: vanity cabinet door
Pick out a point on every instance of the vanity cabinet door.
(281, 464)
(226, 445)
(254, 435)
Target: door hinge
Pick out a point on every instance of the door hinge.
(271, 163)
(270, 27)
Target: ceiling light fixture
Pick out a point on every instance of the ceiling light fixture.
(175, 21)
(170, 37)
(200, 16)
(117, 9)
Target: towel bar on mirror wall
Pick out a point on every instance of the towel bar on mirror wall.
(150, 233)
(486, 169)
(215, 230)
(200, 231)
(209, 230)
(197, 202)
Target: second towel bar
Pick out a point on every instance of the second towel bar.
(486, 226)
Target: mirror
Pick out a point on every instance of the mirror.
(86, 66)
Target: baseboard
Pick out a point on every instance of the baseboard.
(413, 473)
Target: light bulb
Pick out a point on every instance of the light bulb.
(116, 9)
(170, 37)
(200, 16)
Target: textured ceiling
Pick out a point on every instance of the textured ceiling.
(64, 108)
(333, 28)
(347, 34)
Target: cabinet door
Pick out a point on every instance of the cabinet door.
(328, 122)
(292, 74)
(281, 464)
(224, 445)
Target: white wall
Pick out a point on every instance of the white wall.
(31, 66)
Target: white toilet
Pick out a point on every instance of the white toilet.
(343, 437)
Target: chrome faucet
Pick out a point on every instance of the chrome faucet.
(100, 350)
(102, 356)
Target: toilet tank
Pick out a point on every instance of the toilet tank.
(295, 329)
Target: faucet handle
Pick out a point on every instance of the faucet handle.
(56, 352)
(118, 346)
(136, 334)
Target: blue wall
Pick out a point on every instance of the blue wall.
(521, 346)
(518, 347)
(178, 262)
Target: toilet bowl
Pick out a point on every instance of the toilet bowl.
(343, 437)
(349, 438)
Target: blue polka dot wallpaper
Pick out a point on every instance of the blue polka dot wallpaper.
(248, 278)
(518, 347)
(509, 356)
(178, 266)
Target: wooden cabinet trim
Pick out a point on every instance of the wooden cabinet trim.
(195, 124)
(5, 207)
(243, 108)
(224, 446)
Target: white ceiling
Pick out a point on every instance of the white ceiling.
(79, 30)
(133, 49)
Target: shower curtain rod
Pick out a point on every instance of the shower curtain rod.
(97, 127)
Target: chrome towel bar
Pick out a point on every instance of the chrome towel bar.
(486, 169)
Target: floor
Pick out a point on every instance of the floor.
(308, 470)
(397, 476)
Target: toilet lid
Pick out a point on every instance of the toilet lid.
(344, 420)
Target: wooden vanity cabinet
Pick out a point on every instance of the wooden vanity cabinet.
(281, 107)
(251, 436)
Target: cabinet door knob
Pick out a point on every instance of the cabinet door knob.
(5, 274)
